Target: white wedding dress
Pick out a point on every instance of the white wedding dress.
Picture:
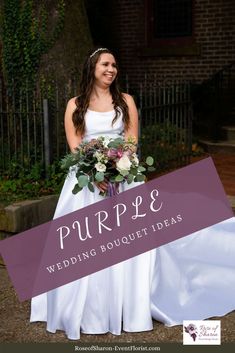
(190, 278)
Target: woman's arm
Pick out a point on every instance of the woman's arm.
(73, 138)
(133, 114)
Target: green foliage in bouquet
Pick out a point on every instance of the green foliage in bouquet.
(104, 158)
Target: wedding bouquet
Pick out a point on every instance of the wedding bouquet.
(110, 159)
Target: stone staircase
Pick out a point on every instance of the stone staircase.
(225, 146)
(220, 105)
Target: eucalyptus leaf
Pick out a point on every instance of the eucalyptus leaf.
(82, 180)
(119, 178)
(134, 171)
(91, 187)
(68, 161)
(76, 189)
(124, 172)
(151, 169)
(112, 179)
(141, 168)
(140, 177)
(149, 160)
(79, 173)
(116, 142)
(130, 178)
(99, 176)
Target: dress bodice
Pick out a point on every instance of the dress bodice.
(100, 124)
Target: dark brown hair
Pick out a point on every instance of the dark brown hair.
(85, 90)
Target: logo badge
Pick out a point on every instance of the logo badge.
(206, 332)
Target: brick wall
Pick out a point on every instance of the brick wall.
(214, 34)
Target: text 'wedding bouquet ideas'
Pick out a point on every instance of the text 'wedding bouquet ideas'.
(111, 159)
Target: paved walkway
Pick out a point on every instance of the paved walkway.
(16, 328)
(225, 166)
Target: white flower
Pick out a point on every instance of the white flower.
(106, 141)
(98, 155)
(124, 163)
(100, 167)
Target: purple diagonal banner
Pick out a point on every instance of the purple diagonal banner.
(115, 229)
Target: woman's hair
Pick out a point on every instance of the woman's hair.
(85, 90)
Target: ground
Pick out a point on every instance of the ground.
(15, 326)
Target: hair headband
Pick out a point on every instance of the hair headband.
(96, 51)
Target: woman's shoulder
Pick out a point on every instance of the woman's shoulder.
(129, 99)
(72, 102)
(127, 96)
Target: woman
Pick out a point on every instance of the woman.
(191, 278)
(98, 303)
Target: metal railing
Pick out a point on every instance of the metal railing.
(166, 121)
(31, 125)
(32, 131)
(214, 102)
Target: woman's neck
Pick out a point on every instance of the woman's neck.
(100, 92)
(101, 99)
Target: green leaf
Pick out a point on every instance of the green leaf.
(68, 161)
(82, 180)
(102, 193)
(84, 163)
(99, 176)
(141, 168)
(116, 142)
(151, 169)
(119, 178)
(149, 160)
(79, 173)
(140, 177)
(112, 179)
(130, 178)
(134, 171)
(124, 172)
(76, 189)
(91, 187)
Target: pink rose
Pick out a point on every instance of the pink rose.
(112, 153)
(119, 153)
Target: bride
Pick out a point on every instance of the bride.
(190, 278)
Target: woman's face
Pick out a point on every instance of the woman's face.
(105, 70)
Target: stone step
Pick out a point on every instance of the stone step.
(223, 147)
(26, 214)
(229, 133)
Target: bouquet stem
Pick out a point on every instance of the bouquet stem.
(113, 189)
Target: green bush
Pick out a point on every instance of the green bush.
(25, 37)
(18, 183)
(166, 142)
